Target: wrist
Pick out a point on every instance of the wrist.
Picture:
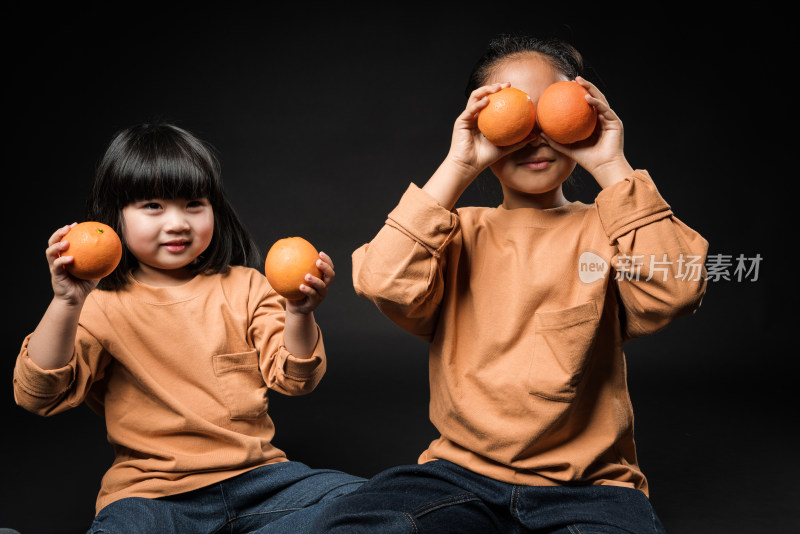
(449, 181)
(68, 303)
(611, 172)
(294, 314)
(458, 170)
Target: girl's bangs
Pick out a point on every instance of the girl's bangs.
(162, 179)
(174, 174)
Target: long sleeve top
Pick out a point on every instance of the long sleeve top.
(181, 375)
(526, 312)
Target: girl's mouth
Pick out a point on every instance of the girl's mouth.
(537, 164)
(176, 246)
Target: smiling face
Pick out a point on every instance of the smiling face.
(167, 235)
(531, 176)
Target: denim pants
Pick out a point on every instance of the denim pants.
(279, 498)
(440, 497)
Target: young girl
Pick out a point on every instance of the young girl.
(177, 348)
(526, 307)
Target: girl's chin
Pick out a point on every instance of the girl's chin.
(532, 189)
(535, 182)
(544, 197)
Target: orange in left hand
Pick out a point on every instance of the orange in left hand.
(288, 261)
(563, 113)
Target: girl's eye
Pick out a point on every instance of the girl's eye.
(196, 203)
(152, 206)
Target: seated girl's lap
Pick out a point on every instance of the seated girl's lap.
(260, 496)
(433, 497)
(442, 497)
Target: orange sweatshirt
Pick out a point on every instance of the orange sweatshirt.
(181, 375)
(526, 312)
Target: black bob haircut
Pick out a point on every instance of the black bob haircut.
(161, 160)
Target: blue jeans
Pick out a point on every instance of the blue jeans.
(440, 497)
(279, 498)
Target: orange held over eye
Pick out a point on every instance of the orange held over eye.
(96, 250)
(509, 117)
(288, 261)
(563, 113)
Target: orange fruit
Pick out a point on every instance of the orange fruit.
(96, 249)
(288, 261)
(509, 117)
(563, 113)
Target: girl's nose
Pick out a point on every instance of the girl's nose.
(536, 136)
(175, 222)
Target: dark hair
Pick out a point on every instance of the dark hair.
(161, 160)
(562, 56)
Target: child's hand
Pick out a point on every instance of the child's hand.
(469, 147)
(315, 288)
(470, 152)
(65, 286)
(602, 153)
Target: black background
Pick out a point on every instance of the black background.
(321, 118)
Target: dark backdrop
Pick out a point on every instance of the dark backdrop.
(321, 119)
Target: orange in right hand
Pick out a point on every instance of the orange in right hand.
(288, 261)
(563, 113)
(509, 117)
(96, 250)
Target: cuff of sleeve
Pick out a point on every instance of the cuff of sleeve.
(303, 368)
(630, 204)
(424, 220)
(39, 382)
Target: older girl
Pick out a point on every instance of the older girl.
(526, 307)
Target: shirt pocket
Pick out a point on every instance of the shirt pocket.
(241, 384)
(561, 345)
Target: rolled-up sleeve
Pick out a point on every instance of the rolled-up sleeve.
(659, 264)
(282, 371)
(401, 269)
(50, 391)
